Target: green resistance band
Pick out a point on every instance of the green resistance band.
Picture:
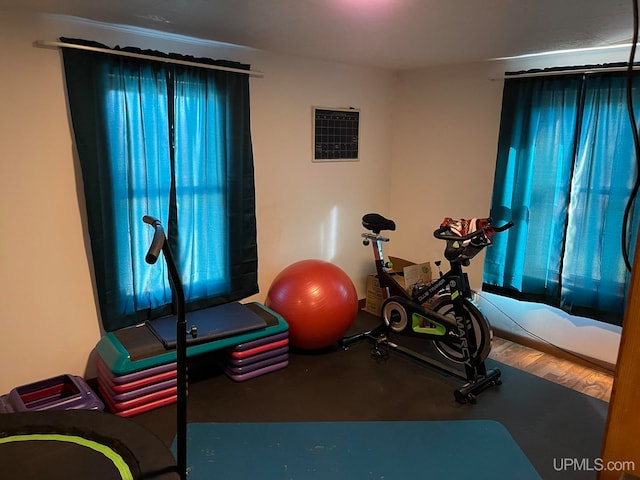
(117, 460)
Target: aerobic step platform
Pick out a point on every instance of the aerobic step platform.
(258, 357)
(136, 366)
(138, 392)
(139, 348)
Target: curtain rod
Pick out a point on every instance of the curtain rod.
(42, 43)
(567, 71)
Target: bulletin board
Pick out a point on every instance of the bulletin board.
(336, 134)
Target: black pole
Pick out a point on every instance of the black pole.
(158, 243)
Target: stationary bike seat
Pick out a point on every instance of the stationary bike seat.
(376, 223)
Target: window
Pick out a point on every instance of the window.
(171, 141)
(564, 174)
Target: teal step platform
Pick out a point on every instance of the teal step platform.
(139, 348)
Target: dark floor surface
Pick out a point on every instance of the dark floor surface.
(549, 422)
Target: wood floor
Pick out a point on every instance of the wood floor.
(564, 372)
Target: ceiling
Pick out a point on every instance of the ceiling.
(392, 34)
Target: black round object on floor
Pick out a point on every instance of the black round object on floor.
(81, 444)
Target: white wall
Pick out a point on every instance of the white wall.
(313, 210)
(48, 313)
(444, 147)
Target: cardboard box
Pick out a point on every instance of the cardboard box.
(418, 273)
(399, 264)
(411, 272)
(406, 274)
(374, 298)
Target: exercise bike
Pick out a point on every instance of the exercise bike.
(442, 311)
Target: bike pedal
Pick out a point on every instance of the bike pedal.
(379, 356)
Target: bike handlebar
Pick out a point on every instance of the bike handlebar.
(504, 227)
(158, 239)
(440, 232)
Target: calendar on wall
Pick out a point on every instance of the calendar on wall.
(336, 134)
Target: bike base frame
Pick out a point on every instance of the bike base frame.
(467, 393)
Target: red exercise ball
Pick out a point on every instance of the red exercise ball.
(318, 301)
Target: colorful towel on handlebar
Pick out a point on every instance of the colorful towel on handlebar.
(463, 251)
(464, 227)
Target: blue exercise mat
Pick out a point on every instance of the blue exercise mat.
(449, 450)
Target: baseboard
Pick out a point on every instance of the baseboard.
(577, 358)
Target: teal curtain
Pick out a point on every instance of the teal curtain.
(564, 173)
(594, 274)
(174, 142)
